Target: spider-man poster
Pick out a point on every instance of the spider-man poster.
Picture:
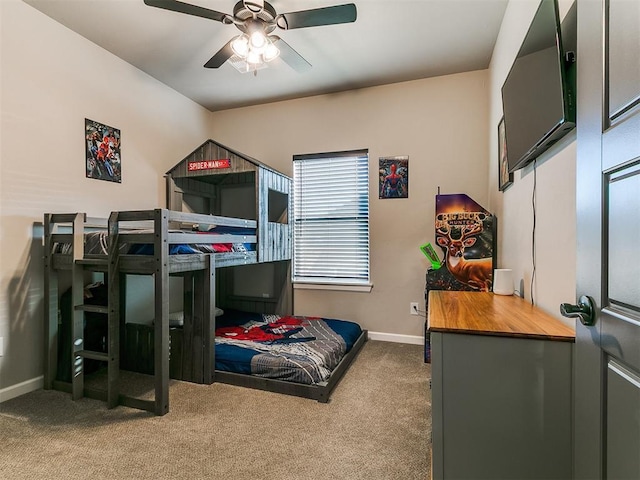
(102, 157)
(394, 177)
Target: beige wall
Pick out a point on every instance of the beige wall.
(51, 80)
(555, 275)
(440, 123)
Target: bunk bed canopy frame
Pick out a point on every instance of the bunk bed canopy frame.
(209, 176)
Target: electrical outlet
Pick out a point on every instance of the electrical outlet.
(413, 306)
(1, 346)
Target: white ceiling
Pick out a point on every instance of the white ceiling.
(391, 41)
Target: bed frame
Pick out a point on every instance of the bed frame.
(320, 392)
(212, 185)
(196, 270)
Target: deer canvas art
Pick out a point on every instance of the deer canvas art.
(475, 272)
(465, 232)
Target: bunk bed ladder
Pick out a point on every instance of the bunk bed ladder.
(79, 352)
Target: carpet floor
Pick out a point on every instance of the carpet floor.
(377, 425)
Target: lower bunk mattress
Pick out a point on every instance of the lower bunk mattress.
(291, 348)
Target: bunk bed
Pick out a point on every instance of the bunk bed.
(213, 189)
(139, 243)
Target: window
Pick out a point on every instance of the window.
(278, 204)
(331, 218)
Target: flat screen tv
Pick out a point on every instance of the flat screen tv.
(538, 96)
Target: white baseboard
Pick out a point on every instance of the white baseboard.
(21, 388)
(397, 338)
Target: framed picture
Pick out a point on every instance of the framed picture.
(394, 177)
(504, 177)
(102, 151)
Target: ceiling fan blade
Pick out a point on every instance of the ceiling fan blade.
(221, 56)
(290, 56)
(181, 7)
(318, 16)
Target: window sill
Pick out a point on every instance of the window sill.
(345, 287)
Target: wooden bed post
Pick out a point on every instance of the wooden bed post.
(50, 307)
(161, 325)
(77, 295)
(190, 355)
(113, 316)
(209, 322)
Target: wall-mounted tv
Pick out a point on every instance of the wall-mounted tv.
(538, 96)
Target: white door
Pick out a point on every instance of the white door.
(607, 368)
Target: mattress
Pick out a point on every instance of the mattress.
(290, 348)
(97, 243)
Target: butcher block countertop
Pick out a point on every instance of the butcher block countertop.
(483, 313)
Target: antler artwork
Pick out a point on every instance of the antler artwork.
(476, 272)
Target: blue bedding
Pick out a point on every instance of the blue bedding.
(292, 348)
(185, 249)
(97, 243)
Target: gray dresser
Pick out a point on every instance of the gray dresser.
(501, 388)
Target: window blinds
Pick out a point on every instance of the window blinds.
(331, 218)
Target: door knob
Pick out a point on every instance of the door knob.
(584, 310)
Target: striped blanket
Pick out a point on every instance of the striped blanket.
(297, 349)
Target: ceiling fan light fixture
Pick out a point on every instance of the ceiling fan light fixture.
(240, 46)
(244, 47)
(254, 57)
(270, 52)
(258, 40)
(242, 66)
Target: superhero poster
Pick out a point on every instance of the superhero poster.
(102, 151)
(394, 177)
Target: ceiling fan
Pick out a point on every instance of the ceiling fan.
(257, 19)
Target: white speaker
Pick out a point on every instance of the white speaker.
(503, 281)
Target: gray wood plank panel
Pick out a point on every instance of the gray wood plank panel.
(50, 306)
(113, 316)
(161, 326)
(77, 295)
(188, 341)
(209, 302)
